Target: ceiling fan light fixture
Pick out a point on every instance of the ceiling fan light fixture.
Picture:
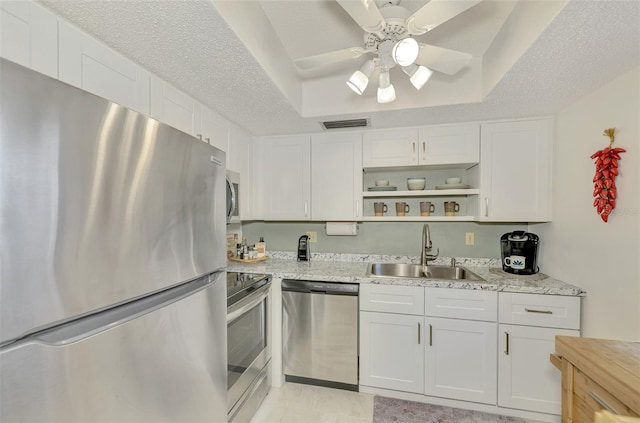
(420, 77)
(386, 91)
(359, 80)
(405, 52)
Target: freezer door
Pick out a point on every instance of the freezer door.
(100, 204)
(168, 365)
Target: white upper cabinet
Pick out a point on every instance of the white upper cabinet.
(285, 180)
(336, 176)
(29, 36)
(174, 107)
(454, 144)
(429, 145)
(88, 64)
(515, 171)
(390, 148)
(216, 130)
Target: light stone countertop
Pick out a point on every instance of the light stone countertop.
(352, 268)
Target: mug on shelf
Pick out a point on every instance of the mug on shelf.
(451, 208)
(401, 208)
(380, 209)
(426, 208)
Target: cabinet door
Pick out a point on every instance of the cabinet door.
(287, 177)
(88, 64)
(392, 351)
(336, 176)
(29, 36)
(526, 378)
(175, 108)
(515, 171)
(217, 132)
(394, 147)
(449, 144)
(461, 360)
(238, 161)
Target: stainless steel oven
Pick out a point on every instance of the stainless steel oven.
(248, 343)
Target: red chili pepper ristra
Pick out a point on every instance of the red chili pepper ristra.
(605, 191)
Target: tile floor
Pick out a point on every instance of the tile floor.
(296, 403)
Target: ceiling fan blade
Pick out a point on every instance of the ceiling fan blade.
(365, 13)
(329, 58)
(442, 59)
(436, 12)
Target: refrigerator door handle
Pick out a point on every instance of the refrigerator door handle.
(86, 326)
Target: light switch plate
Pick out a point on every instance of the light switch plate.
(313, 236)
(469, 238)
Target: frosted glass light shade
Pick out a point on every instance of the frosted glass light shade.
(420, 77)
(358, 82)
(386, 92)
(405, 52)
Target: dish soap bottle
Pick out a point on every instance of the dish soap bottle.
(261, 248)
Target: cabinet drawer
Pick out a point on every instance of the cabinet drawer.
(553, 311)
(589, 397)
(461, 304)
(392, 299)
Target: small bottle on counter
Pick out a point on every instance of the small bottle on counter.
(261, 248)
(239, 250)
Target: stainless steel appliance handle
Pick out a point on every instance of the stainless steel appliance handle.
(232, 206)
(247, 303)
(531, 310)
(506, 351)
(84, 327)
(602, 403)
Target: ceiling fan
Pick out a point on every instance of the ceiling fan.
(388, 34)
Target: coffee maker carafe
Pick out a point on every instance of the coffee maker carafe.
(519, 252)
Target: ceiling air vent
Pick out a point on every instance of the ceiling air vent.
(341, 124)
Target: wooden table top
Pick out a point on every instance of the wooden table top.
(614, 365)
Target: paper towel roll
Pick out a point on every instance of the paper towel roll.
(342, 228)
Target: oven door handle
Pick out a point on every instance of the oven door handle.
(247, 303)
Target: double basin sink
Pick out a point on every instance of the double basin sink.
(404, 270)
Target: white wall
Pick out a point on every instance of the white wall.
(578, 247)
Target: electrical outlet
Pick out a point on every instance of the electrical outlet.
(313, 236)
(469, 238)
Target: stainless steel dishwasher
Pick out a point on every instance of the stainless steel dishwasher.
(320, 333)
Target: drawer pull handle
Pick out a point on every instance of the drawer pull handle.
(602, 403)
(419, 333)
(430, 335)
(531, 310)
(506, 351)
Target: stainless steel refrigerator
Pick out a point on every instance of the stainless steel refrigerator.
(112, 261)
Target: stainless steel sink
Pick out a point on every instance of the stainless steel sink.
(404, 270)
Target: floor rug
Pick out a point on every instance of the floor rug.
(391, 410)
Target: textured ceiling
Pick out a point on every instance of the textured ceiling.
(191, 46)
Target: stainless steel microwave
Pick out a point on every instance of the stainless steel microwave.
(233, 197)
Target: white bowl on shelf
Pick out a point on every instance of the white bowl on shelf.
(414, 184)
(382, 182)
(454, 181)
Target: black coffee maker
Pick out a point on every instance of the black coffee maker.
(304, 253)
(519, 252)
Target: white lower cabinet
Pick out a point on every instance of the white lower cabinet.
(526, 378)
(528, 326)
(465, 345)
(461, 359)
(392, 351)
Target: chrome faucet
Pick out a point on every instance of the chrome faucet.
(425, 253)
